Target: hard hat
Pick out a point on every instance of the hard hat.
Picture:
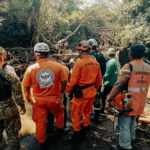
(84, 45)
(78, 59)
(93, 42)
(71, 61)
(41, 48)
(122, 102)
(2, 51)
(111, 51)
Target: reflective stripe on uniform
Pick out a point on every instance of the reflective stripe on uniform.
(141, 68)
(97, 108)
(141, 89)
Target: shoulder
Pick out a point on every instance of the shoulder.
(125, 70)
(9, 75)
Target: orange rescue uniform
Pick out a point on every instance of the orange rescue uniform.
(86, 71)
(45, 76)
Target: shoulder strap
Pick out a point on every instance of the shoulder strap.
(131, 67)
(4, 65)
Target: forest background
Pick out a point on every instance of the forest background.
(113, 23)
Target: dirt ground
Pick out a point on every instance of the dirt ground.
(99, 136)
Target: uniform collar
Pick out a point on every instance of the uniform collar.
(41, 60)
(113, 58)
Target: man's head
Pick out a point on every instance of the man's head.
(41, 51)
(111, 53)
(55, 58)
(136, 51)
(93, 44)
(84, 48)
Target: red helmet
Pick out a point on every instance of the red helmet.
(122, 102)
(84, 45)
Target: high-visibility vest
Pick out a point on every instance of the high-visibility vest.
(138, 86)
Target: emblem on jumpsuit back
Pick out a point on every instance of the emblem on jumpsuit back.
(45, 78)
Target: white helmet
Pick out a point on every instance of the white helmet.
(93, 42)
(71, 61)
(111, 51)
(41, 48)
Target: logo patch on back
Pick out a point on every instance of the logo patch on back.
(45, 78)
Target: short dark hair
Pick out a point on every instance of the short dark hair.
(44, 54)
(137, 50)
(138, 56)
(111, 55)
(55, 56)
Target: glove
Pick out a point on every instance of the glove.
(67, 96)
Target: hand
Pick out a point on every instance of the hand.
(61, 95)
(107, 107)
(31, 102)
(67, 96)
(22, 111)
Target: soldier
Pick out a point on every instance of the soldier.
(9, 115)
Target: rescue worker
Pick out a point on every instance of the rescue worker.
(86, 76)
(95, 54)
(10, 95)
(136, 74)
(45, 77)
(5, 65)
(50, 117)
(111, 75)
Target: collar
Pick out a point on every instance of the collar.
(41, 60)
(87, 56)
(112, 58)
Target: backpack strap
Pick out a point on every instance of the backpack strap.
(4, 65)
(131, 67)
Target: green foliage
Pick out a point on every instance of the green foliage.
(133, 21)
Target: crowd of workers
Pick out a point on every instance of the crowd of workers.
(53, 83)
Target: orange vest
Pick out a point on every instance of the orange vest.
(138, 86)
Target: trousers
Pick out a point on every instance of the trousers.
(40, 116)
(12, 126)
(127, 130)
(81, 107)
(50, 116)
(106, 91)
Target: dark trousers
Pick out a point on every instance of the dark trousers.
(106, 91)
(50, 117)
(97, 104)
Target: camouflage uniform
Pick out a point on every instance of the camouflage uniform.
(9, 114)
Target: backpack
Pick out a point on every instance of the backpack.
(102, 61)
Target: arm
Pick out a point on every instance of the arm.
(27, 94)
(125, 75)
(17, 93)
(98, 78)
(63, 86)
(74, 77)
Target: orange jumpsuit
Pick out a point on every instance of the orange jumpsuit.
(45, 77)
(86, 71)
